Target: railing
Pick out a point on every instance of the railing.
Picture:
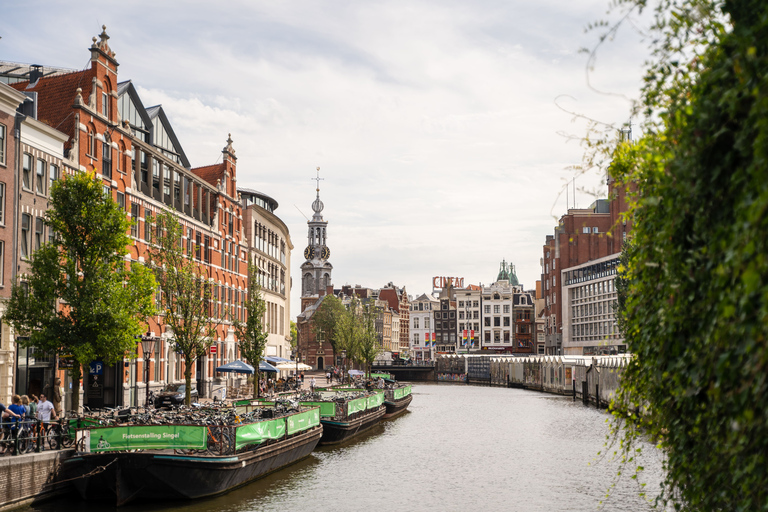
(29, 435)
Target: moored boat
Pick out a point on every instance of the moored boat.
(346, 412)
(397, 397)
(175, 461)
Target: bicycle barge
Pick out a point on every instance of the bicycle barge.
(165, 461)
(397, 399)
(345, 415)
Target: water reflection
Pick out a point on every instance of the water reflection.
(459, 448)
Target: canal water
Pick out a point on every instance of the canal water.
(459, 448)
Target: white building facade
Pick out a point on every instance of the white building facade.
(421, 327)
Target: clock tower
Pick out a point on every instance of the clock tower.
(316, 270)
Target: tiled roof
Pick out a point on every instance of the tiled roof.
(211, 173)
(56, 95)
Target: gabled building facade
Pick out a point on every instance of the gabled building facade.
(136, 153)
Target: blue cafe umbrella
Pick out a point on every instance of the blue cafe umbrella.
(236, 367)
(241, 367)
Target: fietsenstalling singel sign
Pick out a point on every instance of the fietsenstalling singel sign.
(146, 437)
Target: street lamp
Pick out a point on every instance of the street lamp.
(148, 348)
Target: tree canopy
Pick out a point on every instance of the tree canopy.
(104, 300)
(695, 304)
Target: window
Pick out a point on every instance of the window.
(135, 211)
(189, 242)
(121, 200)
(155, 174)
(487, 321)
(487, 309)
(26, 220)
(53, 175)
(198, 245)
(416, 322)
(497, 321)
(585, 230)
(26, 171)
(2, 258)
(105, 104)
(106, 158)
(594, 229)
(207, 249)
(506, 308)
(148, 226)
(39, 229)
(426, 323)
(2, 144)
(496, 309)
(91, 149)
(2, 205)
(506, 321)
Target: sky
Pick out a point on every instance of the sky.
(442, 129)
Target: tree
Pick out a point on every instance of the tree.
(252, 334)
(104, 301)
(369, 346)
(696, 300)
(186, 294)
(325, 321)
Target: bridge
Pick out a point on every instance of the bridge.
(412, 373)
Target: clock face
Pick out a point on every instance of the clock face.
(309, 253)
(326, 253)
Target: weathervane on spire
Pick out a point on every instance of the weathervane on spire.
(317, 206)
(318, 180)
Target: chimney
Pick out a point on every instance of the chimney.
(35, 73)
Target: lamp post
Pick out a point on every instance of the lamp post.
(343, 366)
(148, 348)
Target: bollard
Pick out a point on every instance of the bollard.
(574, 389)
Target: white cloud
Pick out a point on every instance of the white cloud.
(434, 123)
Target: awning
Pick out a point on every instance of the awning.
(276, 360)
(290, 365)
(236, 367)
(356, 372)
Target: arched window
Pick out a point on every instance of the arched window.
(106, 157)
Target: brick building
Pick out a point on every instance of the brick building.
(141, 162)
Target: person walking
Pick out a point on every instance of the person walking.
(33, 407)
(45, 409)
(312, 384)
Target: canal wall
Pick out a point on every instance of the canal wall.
(30, 478)
(593, 379)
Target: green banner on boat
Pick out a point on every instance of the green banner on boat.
(402, 392)
(327, 409)
(303, 421)
(147, 437)
(257, 433)
(375, 400)
(367, 402)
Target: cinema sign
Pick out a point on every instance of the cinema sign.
(443, 282)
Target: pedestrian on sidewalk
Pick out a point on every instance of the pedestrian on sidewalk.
(45, 409)
(312, 384)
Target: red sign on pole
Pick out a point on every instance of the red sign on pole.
(472, 334)
(213, 349)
